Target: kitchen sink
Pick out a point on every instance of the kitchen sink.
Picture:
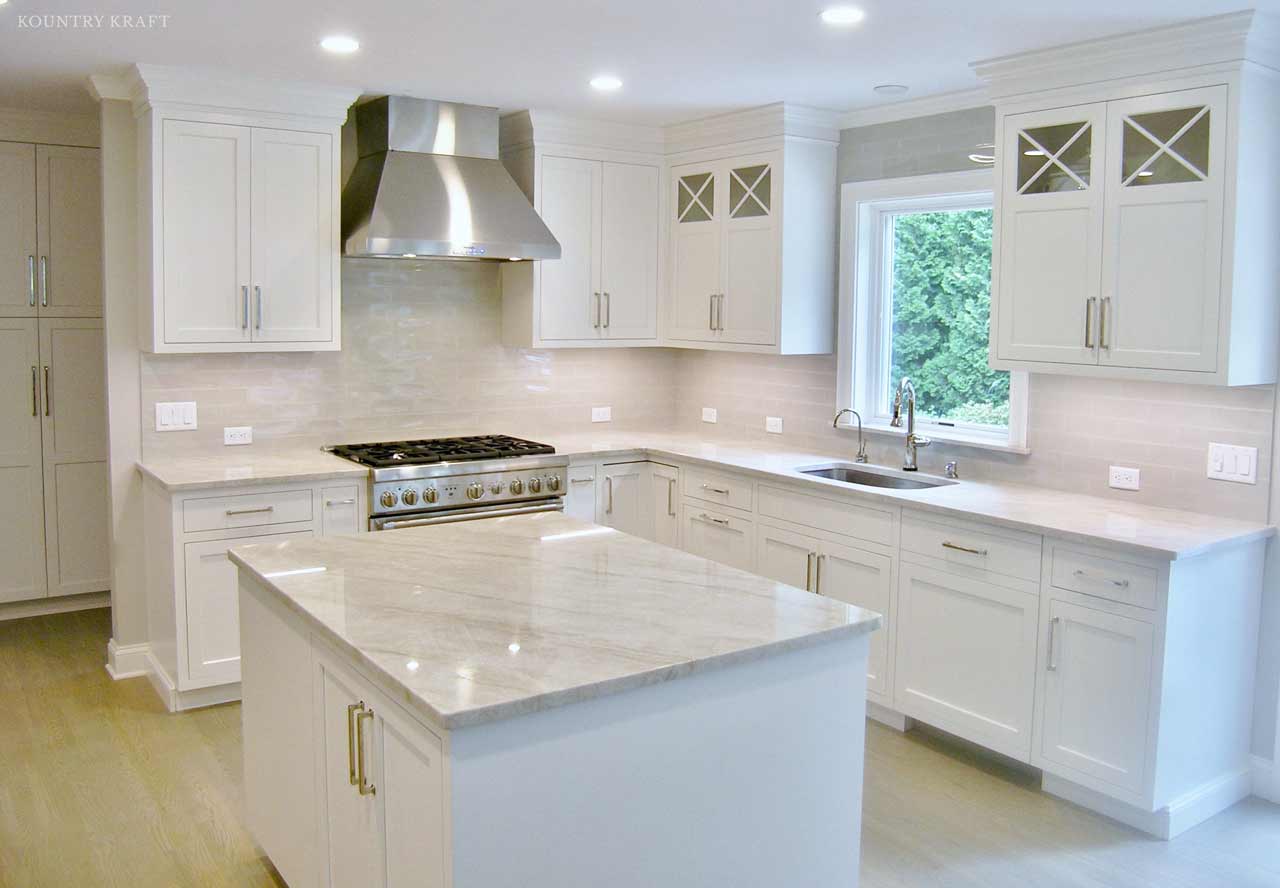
(874, 476)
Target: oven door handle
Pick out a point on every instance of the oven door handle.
(468, 515)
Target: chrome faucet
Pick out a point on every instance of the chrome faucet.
(914, 441)
(862, 444)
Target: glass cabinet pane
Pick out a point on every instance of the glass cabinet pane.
(696, 198)
(749, 191)
(1054, 158)
(1166, 147)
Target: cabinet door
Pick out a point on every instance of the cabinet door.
(864, 579)
(410, 773)
(213, 611)
(204, 232)
(695, 252)
(340, 512)
(966, 657)
(580, 498)
(352, 820)
(716, 535)
(1050, 231)
(69, 195)
(748, 309)
(18, 249)
(570, 201)
(786, 556)
(295, 237)
(629, 251)
(1162, 261)
(22, 564)
(1095, 701)
(665, 503)
(624, 499)
(74, 438)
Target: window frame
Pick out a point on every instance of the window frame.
(865, 209)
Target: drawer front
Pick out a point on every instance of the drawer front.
(1010, 553)
(341, 511)
(246, 510)
(1103, 577)
(714, 487)
(716, 535)
(848, 519)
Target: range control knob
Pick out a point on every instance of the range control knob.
(495, 488)
(516, 487)
(410, 496)
(388, 499)
(553, 483)
(475, 490)
(535, 485)
(429, 495)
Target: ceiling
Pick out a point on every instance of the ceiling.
(679, 59)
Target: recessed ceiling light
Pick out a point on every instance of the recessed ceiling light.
(606, 82)
(340, 44)
(842, 16)
(890, 89)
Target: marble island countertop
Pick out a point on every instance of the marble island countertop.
(483, 620)
(1146, 530)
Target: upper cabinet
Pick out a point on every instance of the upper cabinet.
(599, 190)
(1136, 216)
(51, 231)
(240, 215)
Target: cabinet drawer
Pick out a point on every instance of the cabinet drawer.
(341, 510)
(727, 490)
(246, 510)
(849, 519)
(1007, 552)
(1108, 578)
(717, 535)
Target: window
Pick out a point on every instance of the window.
(916, 302)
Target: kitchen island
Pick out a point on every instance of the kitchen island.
(534, 701)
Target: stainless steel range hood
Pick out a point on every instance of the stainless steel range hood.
(429, 184)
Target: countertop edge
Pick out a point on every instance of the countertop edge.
(281, 477)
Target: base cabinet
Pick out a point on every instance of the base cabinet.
(717, 534)
(580, 497)
(639, 498)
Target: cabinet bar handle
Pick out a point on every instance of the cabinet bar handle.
(711, 315)
(723, 491)
(608, 481)
(808, 571)
(366, 788)
(251, 511)
(350, 501)
(720, 312)
(244, 305)
(723, 522)
(817, 575)
(48, 396)
(671, 497)
(352, 709)
(581, 480)
(31, 281)
(1053, 634)
(44, 281)
(1119, 584)
(947, 544)
(257, 296)
(1088, 321)
(1102, 324)
(35, 390)
(608, 309)
(595, 303)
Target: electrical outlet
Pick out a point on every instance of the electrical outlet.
(1123, 478)
(1230, 463)
(708, 414)
(235, 435)
(601, 414)
(175, 416)
(773, 424)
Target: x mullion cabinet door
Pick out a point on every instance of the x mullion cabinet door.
(696, 236)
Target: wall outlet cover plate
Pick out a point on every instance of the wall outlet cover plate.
(601, 414)
(237, 435)
(708, 414)
(773, 424)
(1124, 478)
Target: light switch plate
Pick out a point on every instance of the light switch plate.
(1230, 463)
(236, 435)
(773, 424)
(708, 414)
(601, 414)
(176, 416)
(1124, 478)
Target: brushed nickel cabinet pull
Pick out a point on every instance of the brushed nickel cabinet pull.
(244, 307)
(31, 281)
(1088, 321)
(595, 304)
(808, 571)
(257, 295)
(366, 788)
(1053, 634)
(1119, 584)
(1102, 324)
(48, 397)
(44, 281)
(352, 709)
(671, 497)
(608, 309)
(711, 315)
(946, 544)
(720, 313)
(608, 480)
(723, 522)
(581, 480)
(350, 501)
(35, 390)
(723, 491)
(251, 511)
(817, 575)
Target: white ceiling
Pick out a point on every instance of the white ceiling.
(680, 59)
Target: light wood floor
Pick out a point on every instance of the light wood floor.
(100, 786)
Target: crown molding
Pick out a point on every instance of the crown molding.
(1234, 38)
(151, 85)
(121, 86)
(526, 127)
(925, 106)
(49, 128)
(766, 121)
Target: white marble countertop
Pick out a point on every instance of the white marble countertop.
(484, 620)
(1145, 530)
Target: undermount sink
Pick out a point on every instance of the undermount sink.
(874, 476)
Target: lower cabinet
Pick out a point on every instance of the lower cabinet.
(966, 655)
(716, 534)
(580, 495)
(639, 498)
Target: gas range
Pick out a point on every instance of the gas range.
(439, 480)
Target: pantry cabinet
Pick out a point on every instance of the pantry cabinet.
(22, 549)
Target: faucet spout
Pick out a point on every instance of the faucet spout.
(862, 444)
(907, 392)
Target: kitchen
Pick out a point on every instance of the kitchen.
(720, 294)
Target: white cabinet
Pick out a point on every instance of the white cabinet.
(22, 550)
(18, 250)
(570, 285)
(580, 497)
(641, 498)
(721, 535)
(665, 499)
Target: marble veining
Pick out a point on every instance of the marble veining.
(484, 620)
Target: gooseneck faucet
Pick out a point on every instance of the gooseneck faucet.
(913, 440)
(862, 444)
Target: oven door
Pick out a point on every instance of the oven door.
(395, 522)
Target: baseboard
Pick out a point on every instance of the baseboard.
(1266, 780)
(39, 607)
(1191, 809)
(161, 681)
(126, 660)
(180, 701)
(888, 717)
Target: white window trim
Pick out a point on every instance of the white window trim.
(862, 207)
